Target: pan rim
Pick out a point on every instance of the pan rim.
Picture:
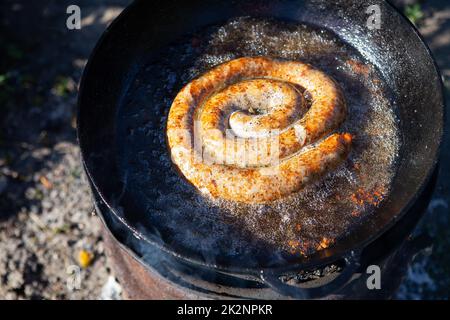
(323, 258)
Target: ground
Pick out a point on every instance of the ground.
(50, 243)
(45, 205)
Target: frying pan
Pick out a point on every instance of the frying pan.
(396, 50)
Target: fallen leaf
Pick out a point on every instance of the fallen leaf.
(85, 258)
(44, 181)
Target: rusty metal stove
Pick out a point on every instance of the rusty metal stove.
(148, 274)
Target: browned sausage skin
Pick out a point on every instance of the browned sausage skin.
(238, 131)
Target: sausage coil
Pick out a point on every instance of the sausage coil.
(246, 130)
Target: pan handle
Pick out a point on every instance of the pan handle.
(352, 264)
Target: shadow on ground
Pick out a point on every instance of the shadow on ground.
(39, 73)
(45, 204)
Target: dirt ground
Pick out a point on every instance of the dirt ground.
(45, 204)
(50, 243)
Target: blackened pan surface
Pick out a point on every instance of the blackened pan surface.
(110, 92)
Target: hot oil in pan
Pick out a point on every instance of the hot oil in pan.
(299, 225)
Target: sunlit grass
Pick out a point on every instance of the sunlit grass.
(414, 13)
